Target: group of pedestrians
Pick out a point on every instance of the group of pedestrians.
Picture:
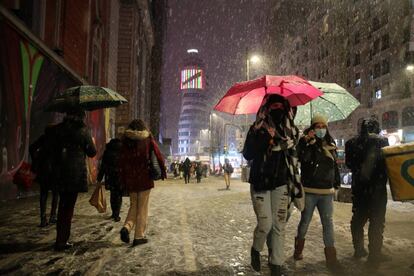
(59, 160)
(277, 153)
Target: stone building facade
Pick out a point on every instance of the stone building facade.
(366, 47)
(50, 45)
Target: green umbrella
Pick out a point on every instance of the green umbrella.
(335, 104)
(85, 97)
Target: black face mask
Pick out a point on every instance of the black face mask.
(277, 115)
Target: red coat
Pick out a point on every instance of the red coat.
(134, 160)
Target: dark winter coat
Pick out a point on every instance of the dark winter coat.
(268, 168)
(110, 165)
(318, 171)
(186, 166)
(134, 161)
(74, 144)
(363, 156)
(44, 159)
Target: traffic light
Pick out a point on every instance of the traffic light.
(225, 149)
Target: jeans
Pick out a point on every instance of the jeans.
(324, 203)
(271, 209)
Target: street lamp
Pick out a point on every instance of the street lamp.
(410, 67)
(250, 59)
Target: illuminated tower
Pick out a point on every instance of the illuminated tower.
(194, 110)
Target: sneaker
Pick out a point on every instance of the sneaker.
(360, 253)
(124, 235)
(139, 241)
(255, 259)
(116, 219)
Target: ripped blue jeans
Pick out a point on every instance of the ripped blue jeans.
(271, 209)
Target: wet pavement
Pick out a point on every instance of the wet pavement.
(193, 229)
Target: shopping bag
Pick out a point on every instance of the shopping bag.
(400, 167)
(98, 198)
(24, 176)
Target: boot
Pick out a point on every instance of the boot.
(360, 253)
(331, 260)
(255, 259)
(52, 219)
(299, 245)
(378, 258)
(276, 270)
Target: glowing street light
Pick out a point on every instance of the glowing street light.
(255, 59)
(410, 67)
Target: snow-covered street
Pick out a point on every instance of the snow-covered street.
(194, 229)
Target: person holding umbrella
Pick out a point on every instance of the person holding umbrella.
(320, 177)
(270, 146)
(74, 144)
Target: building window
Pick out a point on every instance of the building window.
(385, 42)
(390, 120)
(357, 59)
(376, 47)
(377, 70)
(385, 66)
(357, 79)
(378, 93)
(408, 116)
(375, 24)
(357, 37)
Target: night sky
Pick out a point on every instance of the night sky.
(221, 30)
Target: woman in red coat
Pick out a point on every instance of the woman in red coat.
(137, 145)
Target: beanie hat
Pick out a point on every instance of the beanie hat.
(319, 118)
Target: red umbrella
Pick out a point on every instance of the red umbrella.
(246, 97)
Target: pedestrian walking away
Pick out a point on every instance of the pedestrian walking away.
(320, 177)
(186, 167)
(369, 178)
(199, 171)
(228, 170)
(109, 169)
(74, 144)
(137, 144)
(270, 146)
(43, 155)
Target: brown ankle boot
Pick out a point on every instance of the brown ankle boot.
(299, 244)
(331, 260)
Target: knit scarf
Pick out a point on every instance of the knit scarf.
(286, 139)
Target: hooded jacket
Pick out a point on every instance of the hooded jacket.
(134, 161)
